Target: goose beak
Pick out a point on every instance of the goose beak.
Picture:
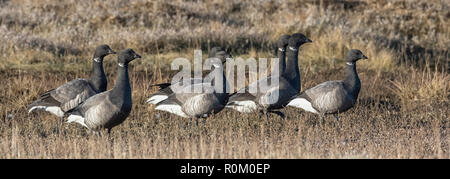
(111, 52)
(364, 57)
(137, 56)
(308, 40)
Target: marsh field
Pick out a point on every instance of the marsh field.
(402, 110)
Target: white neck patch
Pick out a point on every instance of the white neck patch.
(281, 49)
(97, 60)
(350, 63)
(121, 64)
(293, 49)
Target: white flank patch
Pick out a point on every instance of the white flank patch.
(243, 106)
(302, 103)
(55, 110)
(174, 109)
(77, 119)
(52, 109)
(36, 107)
(156, 99)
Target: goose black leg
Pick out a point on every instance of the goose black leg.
(265, 113)
(109, 134)
(94, 133)
(194, 120)
(336, 117)
(322, 119)
(60, 125)
(279, 113)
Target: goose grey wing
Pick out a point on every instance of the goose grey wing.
(171, 105)
(278, 96)
(189, 91)
(90, 103)
(166, 89)
(97, 111)
(71, 94)
(241, 95)
(328, 96)
(322, 89)
(252, 91)
(103, 113)
(192, 81)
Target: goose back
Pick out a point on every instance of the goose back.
(329, 97)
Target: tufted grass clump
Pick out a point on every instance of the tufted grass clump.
(422, 87)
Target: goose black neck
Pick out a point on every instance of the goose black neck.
(122, 87)
(352, 82)
(281, 54)
(292, 73)
(98, 77)
(225, 82)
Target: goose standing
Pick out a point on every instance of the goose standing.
(333, 97)
(278, 96)
(165, 89)
(188, 104)
(68, 96)
(110, 108)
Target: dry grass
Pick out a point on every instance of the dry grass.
(425, 87)
(402, 111)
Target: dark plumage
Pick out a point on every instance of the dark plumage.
(166, 89)
(281, 52)
(278, 96)
(109, 108)
(68, 96)
(187, 103)
(333, 97)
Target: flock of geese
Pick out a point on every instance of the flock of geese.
(88, 102)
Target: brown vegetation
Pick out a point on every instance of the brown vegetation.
(402, 111)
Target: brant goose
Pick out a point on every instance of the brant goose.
(109, 108)
(165, 89)
(68, 96)
(333, 97)
(188, 104)
(278, 96)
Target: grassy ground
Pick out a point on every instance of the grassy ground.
(402, 111)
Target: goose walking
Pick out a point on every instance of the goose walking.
(166, 89)
(333, 97)
(188, 104)
(278, 96)
(68, 96)
(110, 108)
